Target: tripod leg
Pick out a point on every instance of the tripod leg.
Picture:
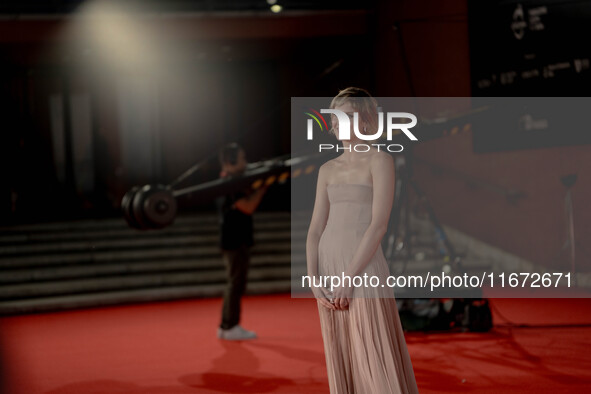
(571, 233)
(399, 215)
(452, 255)
(406, 246)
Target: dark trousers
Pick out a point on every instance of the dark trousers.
(236, 262)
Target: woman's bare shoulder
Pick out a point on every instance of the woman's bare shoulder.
(382, 158)
(328, 165)
(328, 169)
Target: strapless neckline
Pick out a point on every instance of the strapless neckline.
(349, 184)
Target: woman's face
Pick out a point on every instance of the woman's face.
(348, 109)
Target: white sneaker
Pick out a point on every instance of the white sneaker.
(236, 333)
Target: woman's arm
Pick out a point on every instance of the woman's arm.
(317, 225)
(382, 172)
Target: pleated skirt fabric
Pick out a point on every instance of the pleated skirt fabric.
(365, 348)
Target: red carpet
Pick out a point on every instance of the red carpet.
(170, 348)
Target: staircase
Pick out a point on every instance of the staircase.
(58, 266)
(55, 266)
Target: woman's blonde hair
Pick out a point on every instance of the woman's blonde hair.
(362, 102)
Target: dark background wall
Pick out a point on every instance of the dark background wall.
(436, 42)
(238, 74)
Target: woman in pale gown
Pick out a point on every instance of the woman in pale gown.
(363, 338)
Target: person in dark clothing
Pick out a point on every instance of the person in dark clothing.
(236, 239)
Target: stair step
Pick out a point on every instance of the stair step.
(128, 268)
(98, 257)
(76, 301)
(436, 265)
(101, 244)
(162, 279)
(29, 237)
(119, 222)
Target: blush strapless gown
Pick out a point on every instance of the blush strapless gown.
(364, 346)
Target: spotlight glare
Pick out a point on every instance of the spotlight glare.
(275, 8)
